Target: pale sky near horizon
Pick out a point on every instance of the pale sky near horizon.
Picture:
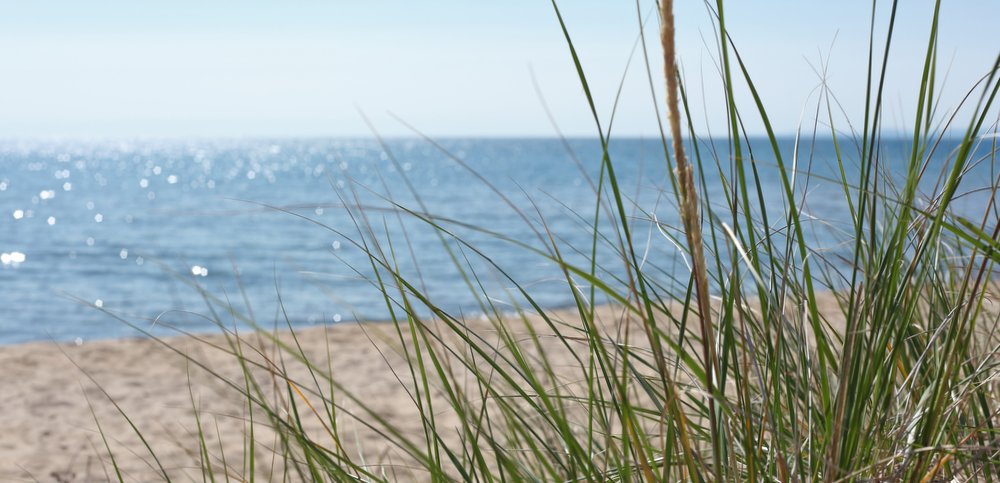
(303, 68)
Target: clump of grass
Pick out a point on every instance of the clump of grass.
(875, 362)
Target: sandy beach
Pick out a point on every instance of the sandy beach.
(49, 433)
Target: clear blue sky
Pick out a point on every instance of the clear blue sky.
(452, 68)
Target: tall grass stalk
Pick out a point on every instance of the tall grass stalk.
(772, 358)
(690, 215)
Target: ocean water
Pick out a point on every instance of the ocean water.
(130, 226)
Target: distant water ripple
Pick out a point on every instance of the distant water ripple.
(127, 226)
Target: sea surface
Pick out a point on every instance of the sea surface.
(144, 230)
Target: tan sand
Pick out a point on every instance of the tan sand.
(47, 432)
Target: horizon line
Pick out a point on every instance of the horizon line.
(372, 137)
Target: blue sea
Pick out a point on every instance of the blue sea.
(133, 226)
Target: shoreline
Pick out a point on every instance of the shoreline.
(50, 433)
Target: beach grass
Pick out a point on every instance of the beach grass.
(767, 359)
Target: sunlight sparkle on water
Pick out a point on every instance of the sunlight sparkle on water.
(12, 258)
(18, 214)
(51, 221)
(199, 271)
